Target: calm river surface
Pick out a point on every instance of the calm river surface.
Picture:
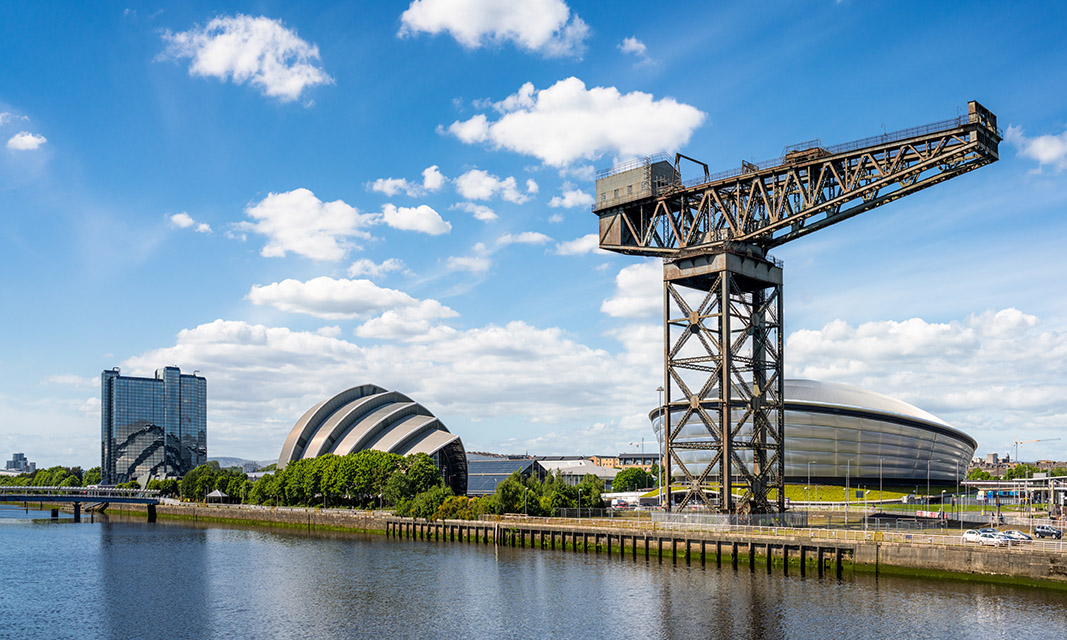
(130, 579)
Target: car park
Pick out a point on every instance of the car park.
(1018, 536)
(1047, 531)
(970, 535)
(992, 540)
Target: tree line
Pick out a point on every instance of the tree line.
(57, 476)
(410, 486)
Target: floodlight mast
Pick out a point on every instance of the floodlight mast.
(722, 292)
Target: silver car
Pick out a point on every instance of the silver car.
(992, 540)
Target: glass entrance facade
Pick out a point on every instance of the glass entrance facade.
(155, 426)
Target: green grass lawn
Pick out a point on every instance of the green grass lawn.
(829, 493)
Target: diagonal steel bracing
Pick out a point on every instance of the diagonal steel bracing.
(723, 379)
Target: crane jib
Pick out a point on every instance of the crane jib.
(646, 209)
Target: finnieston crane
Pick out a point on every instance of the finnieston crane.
(722, 291)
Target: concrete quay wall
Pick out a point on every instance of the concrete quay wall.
(1014, 565)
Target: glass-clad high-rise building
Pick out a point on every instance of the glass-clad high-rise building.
(154, 426)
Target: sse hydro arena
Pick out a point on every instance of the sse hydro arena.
(842, 430)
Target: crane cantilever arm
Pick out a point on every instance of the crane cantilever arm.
(769, 204)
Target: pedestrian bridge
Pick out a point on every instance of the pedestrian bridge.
(79, 495)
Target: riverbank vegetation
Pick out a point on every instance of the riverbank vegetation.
(57, 476)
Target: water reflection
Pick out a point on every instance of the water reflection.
(129, 579)
(152, 586)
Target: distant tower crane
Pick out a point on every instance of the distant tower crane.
(1019, 442)
(722, 292)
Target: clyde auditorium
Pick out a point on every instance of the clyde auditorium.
(842, 430)
(369, 417)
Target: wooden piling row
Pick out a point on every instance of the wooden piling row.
(825, 558)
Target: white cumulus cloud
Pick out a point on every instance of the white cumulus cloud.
(985, 372)
(263, 378)
(633, 46)
(26, 141)
(259, 51)
(638, 291)
(183, 221)
(477, 264)
(579, 246)
(1046, 149)
(479, 211)
(337, 299)
(544, 26)
(365, 267)
(572, 197)
(299, 222)
(432, 180)
(568, 122)
(422, 218)
(526, 237)
(477, 184)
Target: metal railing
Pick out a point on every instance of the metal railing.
(79, 492)
(871, 534)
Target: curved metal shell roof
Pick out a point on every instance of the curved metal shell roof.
(366, 417)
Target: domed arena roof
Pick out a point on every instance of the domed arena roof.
(370, 417)
(843, 395)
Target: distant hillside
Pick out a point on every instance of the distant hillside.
(225, 462)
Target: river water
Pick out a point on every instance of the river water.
(130, 579)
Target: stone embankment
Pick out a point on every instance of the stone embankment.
(800, 550)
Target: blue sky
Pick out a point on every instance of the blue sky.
(298, 199)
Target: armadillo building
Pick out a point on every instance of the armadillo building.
(836, 431)
(370, 417)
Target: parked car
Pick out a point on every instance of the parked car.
(1046, 531)
(988, 530)
(970, 535)
(992, 540)
(1017, 535)
(1005, 537)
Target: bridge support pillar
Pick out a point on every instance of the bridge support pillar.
(77, 512)
(55, 513)
(151, 513)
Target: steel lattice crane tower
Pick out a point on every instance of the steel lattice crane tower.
(722, 292)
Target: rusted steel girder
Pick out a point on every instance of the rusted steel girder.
(771, 203)
(724, 379)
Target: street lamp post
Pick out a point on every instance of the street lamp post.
(848, 469)
(809, 483)
(880, 497)
(928, 485)
(663, 426)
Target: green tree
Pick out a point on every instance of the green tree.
(590, 489)
(509, 494)
(422, 472)
(427, 503)
(202, 480)
(1021, 470)
(978, 474)
(92, 476)
(655, 472)
(70, 481)
(631, 479)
